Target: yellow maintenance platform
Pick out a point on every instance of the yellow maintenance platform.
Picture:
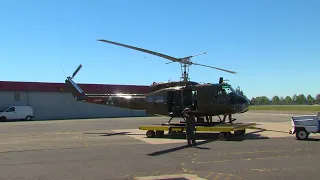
(224, 130)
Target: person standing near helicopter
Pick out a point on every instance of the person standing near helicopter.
(190, 127)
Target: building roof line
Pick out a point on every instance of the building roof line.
(60, 87)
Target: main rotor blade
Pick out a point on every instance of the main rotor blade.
(215, 68)
(143, 50)
(188, 57)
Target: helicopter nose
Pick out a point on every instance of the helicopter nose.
(244, 103)
(240, 104)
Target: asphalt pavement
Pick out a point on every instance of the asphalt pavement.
(115, 149)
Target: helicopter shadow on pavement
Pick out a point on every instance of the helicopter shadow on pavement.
(114, 133)
(157, 153)
(204, 138)
(207, 137)
(199, 136)
(214, 136)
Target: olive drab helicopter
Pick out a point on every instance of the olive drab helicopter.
(172, 98)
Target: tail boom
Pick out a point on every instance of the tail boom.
(128, 101)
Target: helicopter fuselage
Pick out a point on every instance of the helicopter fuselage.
(202, 99)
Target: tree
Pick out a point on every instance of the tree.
(253, 101)
(318, 98)
(240, 92)
(301, 99)
(264, 100)
(310, 99)
(282, 100)
(261, 100)
(275, 100)
(288, 100)
(256, 100)
(294, 99)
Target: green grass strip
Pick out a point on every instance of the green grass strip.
(310, 108)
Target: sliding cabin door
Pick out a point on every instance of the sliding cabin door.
(157, 103)
(174, 102)
(187, 98)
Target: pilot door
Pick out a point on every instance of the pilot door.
(212, 99)
(221, 100)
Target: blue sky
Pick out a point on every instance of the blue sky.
(273, 45)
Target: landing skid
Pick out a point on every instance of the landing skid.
(230, 121)
(169, 120)
(199, 121)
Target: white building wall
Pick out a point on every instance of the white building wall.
(62, 106)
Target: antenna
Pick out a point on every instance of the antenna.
(63, 71)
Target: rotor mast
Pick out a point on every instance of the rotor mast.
(185, 74)
(185, 64)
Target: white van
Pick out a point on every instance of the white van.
(16, 112)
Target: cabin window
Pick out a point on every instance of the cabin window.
(159, 99)
(149, 99)
(195, 99)
(194, 94)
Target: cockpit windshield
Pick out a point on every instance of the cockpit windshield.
(228, 89)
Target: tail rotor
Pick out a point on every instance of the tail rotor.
(76, 71)
(75, 90)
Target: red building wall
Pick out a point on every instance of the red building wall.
(60, 87)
